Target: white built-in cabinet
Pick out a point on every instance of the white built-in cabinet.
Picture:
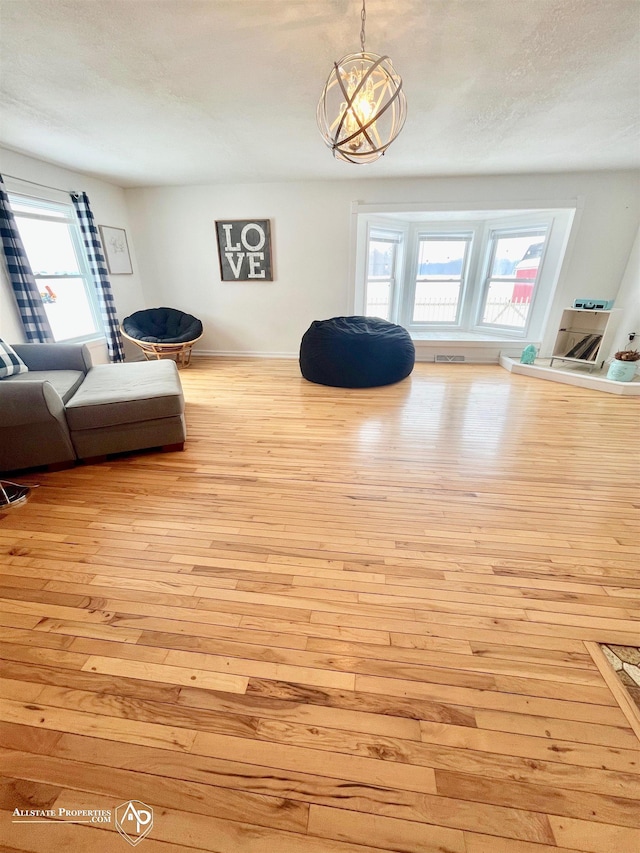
(584, 337)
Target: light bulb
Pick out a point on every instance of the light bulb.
(361, 108)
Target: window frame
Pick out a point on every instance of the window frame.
(394, 237)
(66, 215)
(494, 233)
(409, 291)
(557, 216)
(381, 225)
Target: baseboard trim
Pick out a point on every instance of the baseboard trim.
(220, 353)
(421, 356)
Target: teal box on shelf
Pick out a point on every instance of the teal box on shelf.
(594, 304)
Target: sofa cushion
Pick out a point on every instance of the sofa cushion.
(55, 356)
(10, 362)
(65, 382)
(113, 394)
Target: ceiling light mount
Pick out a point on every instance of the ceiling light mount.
(363, 107)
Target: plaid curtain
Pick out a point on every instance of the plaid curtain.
(98, 269)
(32, 313)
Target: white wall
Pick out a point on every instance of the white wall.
(174, 230)
(628, 301)
(174, 234)
(172, 242)
(109, 207)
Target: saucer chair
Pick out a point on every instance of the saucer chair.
(163, 333)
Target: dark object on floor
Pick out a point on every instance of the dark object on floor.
(356, 352)
(163, 333)
(12, 493)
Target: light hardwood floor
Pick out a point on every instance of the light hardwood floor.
(341, 621)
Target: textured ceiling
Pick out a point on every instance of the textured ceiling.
(148, 92)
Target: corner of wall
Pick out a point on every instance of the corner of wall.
(628, 299)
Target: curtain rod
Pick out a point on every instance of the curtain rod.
(35, 183)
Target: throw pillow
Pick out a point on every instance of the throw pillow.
(10, 361)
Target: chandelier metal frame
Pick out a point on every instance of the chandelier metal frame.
(376, 87)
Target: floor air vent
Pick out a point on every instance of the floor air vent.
(450, 358)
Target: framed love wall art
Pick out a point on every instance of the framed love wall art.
(244, 249)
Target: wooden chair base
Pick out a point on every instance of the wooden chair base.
(180, 353)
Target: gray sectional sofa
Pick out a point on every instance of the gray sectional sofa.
(64, 408)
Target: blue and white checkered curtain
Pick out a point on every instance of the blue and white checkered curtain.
(98, 267)
(32, 313)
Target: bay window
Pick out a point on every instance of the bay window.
(480, 273)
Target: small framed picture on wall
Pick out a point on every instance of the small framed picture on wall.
(116, 250)
(244, 249)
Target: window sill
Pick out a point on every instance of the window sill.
(90, 341)
(468, 337)
(476, 349)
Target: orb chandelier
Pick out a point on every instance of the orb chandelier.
(363, 106)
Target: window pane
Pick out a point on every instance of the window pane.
(441, 258)
(381, 258)
(380, 274)
(67, 307)
(441, 263)
(436, 302)
(48, 246)
(378, 299)
(510, 251)
(514, 273)
(503, 307)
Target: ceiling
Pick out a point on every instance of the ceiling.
(155, 92)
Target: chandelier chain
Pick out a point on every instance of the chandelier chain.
(363, 18)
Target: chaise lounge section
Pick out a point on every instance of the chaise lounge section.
(122, 407)
(65, 409)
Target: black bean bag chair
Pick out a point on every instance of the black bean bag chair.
(356, 352)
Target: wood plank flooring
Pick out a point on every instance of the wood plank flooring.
(341, 621)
